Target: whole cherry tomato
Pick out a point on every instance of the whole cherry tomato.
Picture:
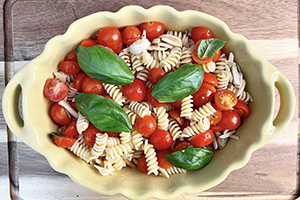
(153, 29)
(176, 115)
(162, 161)
(90, 135)
(181, 146)
(216, 128)
(71, 56)
(204, 95)
(135, 91)
(206, 59)
(63, 141)
(78, 81)
(161, 139)
(91, 85)
(230, 120)
(71, 130)
(145, 125)
(200, 33)
(155, 74)
(55, 90)
(110, 37)
(112, 134)
(131, 34)
(242, 109)
(142, 164)
(225, 99)
(69, 67)
(202, 139)
(59, 115)
(176, 104)
(88, 43)
(210, 78)
(152, 100)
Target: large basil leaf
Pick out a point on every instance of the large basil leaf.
(179, 84)
(105, 114)
(191, 158)
(104, 65)
(209, 47)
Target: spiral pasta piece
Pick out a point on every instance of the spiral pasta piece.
(115, 93)
(186, 107)
(82, 123)
(186, 56)
(72, 92)
(223, 80)
(99, 146)
(113, 141)
(136, 63)
(132, 116)
(162, 118)
(118, 150)
(143, 74)
(171, 39)
(125, 55)
(137, 140)
(60, 75)
(108, 169)
(151, 158)
(118, 163)
(125, 137)
(139, 109)
(81, 150)
(149, 61)
(204, 111)
(160, 55)
(195, 129)
(174, 128)
(172, 60)
(209, 67)
(183, 36)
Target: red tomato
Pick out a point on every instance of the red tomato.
(55, 90)
(90, 135)
(145, 125)
(216, 128)
(112, 134)
(206, 59)
(181, 146)
(142, 164)
(88, 43)
(225, 99)
(131, 34)
(176, 104)
(153, 29)
(64, 142)
(216, 116)
(176, 115)
(59, 115)
(107, 96)
(217, 56)
(73, 104)
(162, 161)
(211, 79)
(155, 74)
(152, 100)
(186, 123)
(135, 91)
(200, 33)
(230, 120)
(242, 109)
(204, 95)
(69, 67)
(161, 139)
(78, 81)
(71, 130)
(91, 85)
(110, 37)
(71, 56)
(202, 139)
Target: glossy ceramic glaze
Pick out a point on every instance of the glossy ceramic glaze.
(259, 128)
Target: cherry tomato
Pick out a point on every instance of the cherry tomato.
(206, 59)
(142, 164)
(73, 104)
(78, 81)
(202, 139)
(91, 85)
(153, 29)
(216, 128)
(155, 74)
(162, 161)
(181, 146)
(152, 100)
(186, 123)
(200, 33)
(216, 116)
(135, 91)
(161, 139)
(107, 96)
(176, 115)
(211, 79)
(71, 56)
(71, 130)
(59, 115)
(225, 99)
(242, 109)
(145, 125)
(176, 104)
(64, 142)
(112, 134)
(110, 37)
(131, 34)
(217, 56)
(90, 135)
(55, 90)
(69, 67)
(88, 43)
(204, 95)
(230, 120)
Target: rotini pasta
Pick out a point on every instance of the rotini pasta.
(115, 93)
(150, 158)
(162, 118)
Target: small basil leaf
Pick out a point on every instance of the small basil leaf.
(191, 158)
(209, 47)
(55, 134)
(179, 84)
(105, 114)
(104, 65)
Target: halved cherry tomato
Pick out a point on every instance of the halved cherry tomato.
(145, 125)
(202, 139)
(217, 56)
(242, 109)
(71, 130)
(69, 67)
(176, 104)
(55, 90)
(63, 142)
(181, 146)
(216, 116)
(152, 100)
(153, 29)
(206, 59)
(162, 161)
(155, 74)
(90, 135)
(200, 33)
(110, 37)
(131, 34)
(211, 79)
(112, 134)
(135, 91)
(78, 81)
(88, 43)
(71, 56)
(230, 120)
(225, 99)
(59, 115)
(204, 95)
(91, 85)
(176, 115)
(161, 139)
(142, 164)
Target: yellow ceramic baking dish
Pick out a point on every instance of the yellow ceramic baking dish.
(259, 128)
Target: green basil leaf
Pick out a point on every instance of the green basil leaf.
(104, 65)
(55, 134)
(191, 158)
(179, 84)
(209, 47)
(105, 114)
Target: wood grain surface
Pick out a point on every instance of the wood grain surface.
(270, 26)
